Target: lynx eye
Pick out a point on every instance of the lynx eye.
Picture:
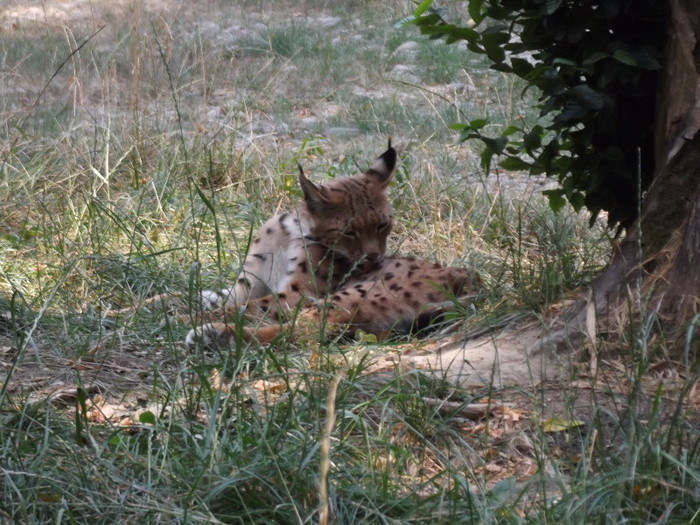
(351, 234)
(382, 226)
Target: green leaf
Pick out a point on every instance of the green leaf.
(365, 337)
(475, 11)
(514, 164)
(422, 8)
(498, 28)
(551, 6)
(577, 200)
(533, 139)
(147, 418)
(624, 56)
(563, 62)
(502, 67)
(493, 44)
(468, 134)
(478, 123)
(639, 60)
(588, 96)
(595, 57)
(486, 157)
(496, 145)
(556, 199)
(428, 24)
(521, 67)
(466, 33)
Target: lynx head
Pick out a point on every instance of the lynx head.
(352, 215)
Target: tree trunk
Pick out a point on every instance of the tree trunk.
(657, 266)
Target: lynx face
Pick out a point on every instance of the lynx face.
(352, 216)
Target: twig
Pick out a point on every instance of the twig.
(472, 411)
(325, 450)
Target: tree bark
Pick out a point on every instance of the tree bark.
(657, 266)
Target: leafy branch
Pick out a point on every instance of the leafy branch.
(590, 63)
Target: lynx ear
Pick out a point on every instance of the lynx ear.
(313, 195)
(383, 168)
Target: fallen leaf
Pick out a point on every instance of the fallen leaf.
(555, 424)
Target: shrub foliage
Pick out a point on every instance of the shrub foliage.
(595, 65)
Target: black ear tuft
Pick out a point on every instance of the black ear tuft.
(383, 168)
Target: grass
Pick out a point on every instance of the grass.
(144, 166)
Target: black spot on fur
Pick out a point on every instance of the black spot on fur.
(282, 295)
(396, 287)
(245, 282)
(260, 256)
(303, 266)
(294, 287)
(388, 276)
(407, 295)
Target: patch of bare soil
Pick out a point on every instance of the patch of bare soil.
(540, 399)
(119, 383)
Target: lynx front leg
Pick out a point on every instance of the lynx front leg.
(217, 335)
(220, 334)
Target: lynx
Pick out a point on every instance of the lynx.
(325, 262)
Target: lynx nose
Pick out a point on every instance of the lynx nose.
(372, 261)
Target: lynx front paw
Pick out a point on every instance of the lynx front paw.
(213, 299)
(210, 335)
